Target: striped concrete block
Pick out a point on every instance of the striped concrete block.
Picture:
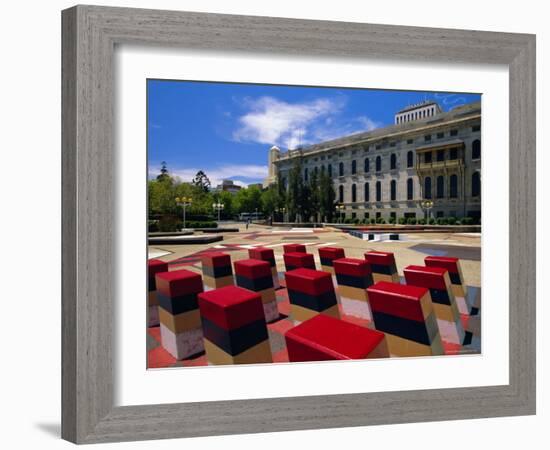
(179, 317)
(405, 313)
(437, 281)
(382, 266)
(298, 260)
(216, 270)
(354, 276)
(327, 255)
(255, 275)
(266, 254)
(310, 292)
(234, 327)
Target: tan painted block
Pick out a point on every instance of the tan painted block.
(353, 293)
(399, 346)
(152, 299)
(302, 314)
(381, 350)
(260, 353)
(179, 323)
(443, 312)
(328, 269)
(394, 278)
(268, 295)
(458, 290)
(216, 283)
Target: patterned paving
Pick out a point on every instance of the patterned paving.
(237, 246)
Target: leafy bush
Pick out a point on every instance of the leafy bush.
(442, 221)
(421, 221)
(373, 221)
(392, 220)
(402, 220)
(380, 220)
(356, 221)
(411, 221)
(152, 226)
(468, 221)
(169, 223)
(451, 220)
(200, 224)
(432, 221)
(347, 220)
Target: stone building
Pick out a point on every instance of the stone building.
(387, 172)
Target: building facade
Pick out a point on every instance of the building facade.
(388, 172)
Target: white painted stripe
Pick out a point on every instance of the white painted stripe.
(326, 244)
(157, 254)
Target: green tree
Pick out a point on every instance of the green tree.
(295, 191)
(314, 195)
(163, 175)
(327, 196)
(202, 181)
(270, 200)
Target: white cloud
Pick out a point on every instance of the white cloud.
(272, 121)
(240, 174)
(275, 122)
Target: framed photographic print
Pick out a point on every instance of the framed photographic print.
(254, 214)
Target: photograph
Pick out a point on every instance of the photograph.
(304, 223)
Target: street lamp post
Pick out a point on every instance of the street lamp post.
(184, 202)
(340, 208)
(218, 207)
(427, 205)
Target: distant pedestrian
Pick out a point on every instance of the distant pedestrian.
(247, 222)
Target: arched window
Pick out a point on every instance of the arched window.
(428, 187)
(305, 174)
(453, 189)
(341, 194)
(378, 191)
(393, 161)
(353, 193)
(367, 165)
(323, 168)
(393, 189)
(354, 167)
(378, 164)
(367, 192)
(440, 186)
(410, 158)
(341, 169)
(476, 149)
(410, 191)
(330, 170)
(476, 185)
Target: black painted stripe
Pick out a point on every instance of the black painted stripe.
(404, 328)
(379, 268)
(217, 272)
(314, 302)
(455, 278)
(440, 296)
(258, 284)
(238, 340)
(326, 262)
(177, 305)
(357, 282)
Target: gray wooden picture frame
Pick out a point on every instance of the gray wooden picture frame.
(90, 34)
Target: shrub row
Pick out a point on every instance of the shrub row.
(414, 221)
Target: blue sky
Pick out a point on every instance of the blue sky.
(226, 129)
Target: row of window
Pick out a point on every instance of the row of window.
(427, 138)
(440, 156)
(439, 191)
